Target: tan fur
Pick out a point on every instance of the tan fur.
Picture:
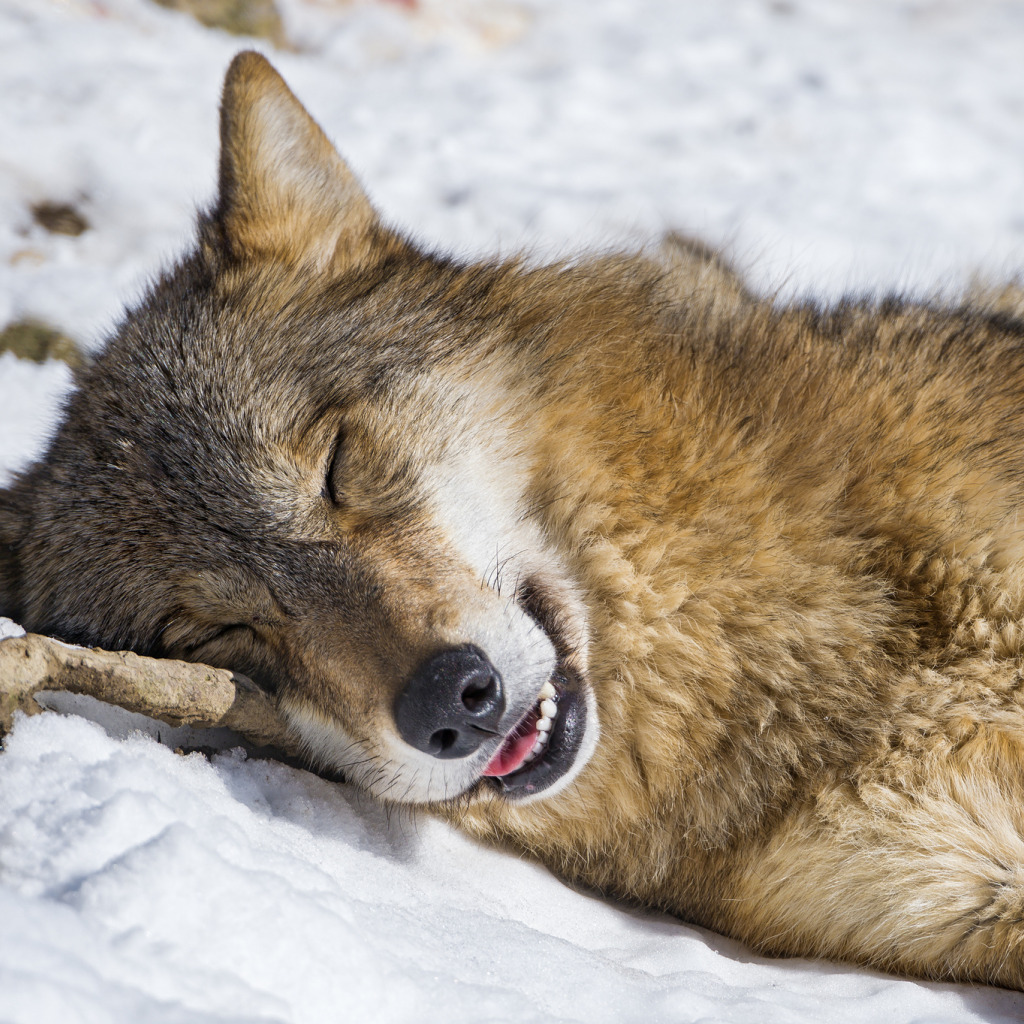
(840, 773)
(298, 203)
(779, 549)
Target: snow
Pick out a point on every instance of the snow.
(30, 402)
(834, 145)
(9, 629)
(140, 885)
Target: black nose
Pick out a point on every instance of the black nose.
(452, 703)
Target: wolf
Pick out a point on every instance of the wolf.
(710, 603)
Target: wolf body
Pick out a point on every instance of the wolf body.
(755, 573)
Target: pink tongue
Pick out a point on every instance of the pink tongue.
(512, 753)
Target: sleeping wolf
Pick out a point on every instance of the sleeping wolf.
(707, 603)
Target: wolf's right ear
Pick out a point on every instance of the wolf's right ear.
(285, 193)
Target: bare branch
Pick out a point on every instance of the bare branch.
(175, 692)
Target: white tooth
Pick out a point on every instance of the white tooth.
(547, 691)
(543, 724)
(548, 708)
(529, 757)
(542, 738)
(537, 748)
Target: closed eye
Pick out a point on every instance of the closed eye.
(211, 641)
(332, 482)
(239, 648)
(225, 631)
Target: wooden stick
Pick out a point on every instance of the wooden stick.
(175, 692)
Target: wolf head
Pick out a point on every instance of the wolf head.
(305, 457)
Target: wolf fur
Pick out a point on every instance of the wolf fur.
(774, 553)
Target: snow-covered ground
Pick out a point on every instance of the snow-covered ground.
(830, 144)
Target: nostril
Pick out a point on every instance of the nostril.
(481, 695)
(443, 740)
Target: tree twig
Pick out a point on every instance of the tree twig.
(175, 692)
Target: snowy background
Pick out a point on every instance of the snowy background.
(829, 145)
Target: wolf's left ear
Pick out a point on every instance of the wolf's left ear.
(285, 192)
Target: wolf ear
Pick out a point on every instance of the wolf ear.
(285, 192)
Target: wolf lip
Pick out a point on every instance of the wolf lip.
(512, 774)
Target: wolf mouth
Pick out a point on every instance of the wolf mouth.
(528, 738)
(544, 744)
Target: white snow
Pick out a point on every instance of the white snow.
(10, 630)
(832, 145)
(30, 402)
